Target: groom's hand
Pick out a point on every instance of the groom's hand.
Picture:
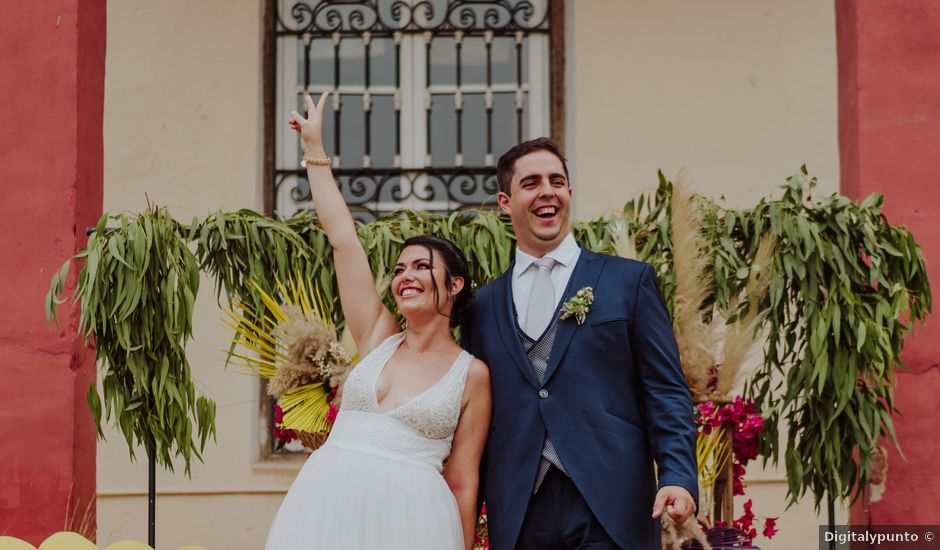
(676, 501)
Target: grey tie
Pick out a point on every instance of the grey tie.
(541, 300)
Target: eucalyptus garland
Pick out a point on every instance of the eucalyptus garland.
(136, 289)
(241, 248)
(844, 289)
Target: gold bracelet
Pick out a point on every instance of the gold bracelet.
(308, 161)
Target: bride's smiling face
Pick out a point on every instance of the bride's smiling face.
(419, 278)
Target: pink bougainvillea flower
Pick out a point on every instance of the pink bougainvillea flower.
(737, 478)
(281, 434)
(746, 521)
(770, 527)
(741, 419)
(277, 431)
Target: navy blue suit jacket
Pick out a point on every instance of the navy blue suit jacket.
(617, 400)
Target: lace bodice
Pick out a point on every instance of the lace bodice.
(420, 430)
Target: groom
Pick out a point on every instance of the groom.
(581, 410)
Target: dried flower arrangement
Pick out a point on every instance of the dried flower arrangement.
(301, 356)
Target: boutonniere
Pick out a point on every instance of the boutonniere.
(578, 305)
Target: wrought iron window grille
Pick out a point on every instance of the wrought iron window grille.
(425, 96)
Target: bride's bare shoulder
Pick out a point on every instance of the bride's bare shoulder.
(478, 377)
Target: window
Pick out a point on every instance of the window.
(426, 95)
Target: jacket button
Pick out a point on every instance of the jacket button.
(543, 393)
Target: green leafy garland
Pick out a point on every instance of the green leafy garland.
(136, 290)
(843, 283)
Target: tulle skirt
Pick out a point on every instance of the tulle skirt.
(346, 499)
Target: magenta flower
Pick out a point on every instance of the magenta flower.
(770, 527)
(741, 419)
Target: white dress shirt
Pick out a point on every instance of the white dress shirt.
(565, 256)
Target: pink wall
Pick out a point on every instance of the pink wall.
(52, 86)
(889, 123)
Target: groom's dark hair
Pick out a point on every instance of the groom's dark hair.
(507, 163)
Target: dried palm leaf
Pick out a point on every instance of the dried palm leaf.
(306, 408)
(299, 353)
(713, 451)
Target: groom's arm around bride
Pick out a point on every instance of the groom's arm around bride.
(587, 387)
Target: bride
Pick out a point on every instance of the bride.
(415, 401)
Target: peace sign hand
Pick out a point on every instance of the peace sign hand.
(310, 128)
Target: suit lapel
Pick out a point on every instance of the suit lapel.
(506, 326)
(586, 272)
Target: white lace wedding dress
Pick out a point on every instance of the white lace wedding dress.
(376, 483)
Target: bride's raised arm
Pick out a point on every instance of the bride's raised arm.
(368, 319)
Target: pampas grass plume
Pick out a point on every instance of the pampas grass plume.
(675, 534)
(310, 342)
(624, 243)
(691, 264)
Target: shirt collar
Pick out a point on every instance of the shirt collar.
(565, 253)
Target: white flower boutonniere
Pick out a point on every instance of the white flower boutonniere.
(578, 305)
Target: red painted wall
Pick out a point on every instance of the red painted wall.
(889, 122)
(52, 88)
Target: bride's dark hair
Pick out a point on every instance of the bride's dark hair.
(455, 265)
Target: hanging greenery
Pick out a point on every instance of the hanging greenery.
(242, 249)
(136, 289)
(843, 290)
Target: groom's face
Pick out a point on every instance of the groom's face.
(538, 202)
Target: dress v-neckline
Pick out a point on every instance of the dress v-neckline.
(375, 382)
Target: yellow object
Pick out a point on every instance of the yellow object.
(10, 543)
(305, 407)
(713, 451)
(128, 545)
(65, 540)
(73, 541)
